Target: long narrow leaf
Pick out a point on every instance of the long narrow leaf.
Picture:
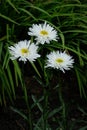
(19, 112)
(13, 6)
(27, 12)
(9, 19)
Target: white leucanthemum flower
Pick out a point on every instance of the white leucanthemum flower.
(59, 60)
(44, 33)
(24, 50)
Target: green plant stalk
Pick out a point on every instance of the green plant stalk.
(63, 107)
(33, 65)
(30, 120)
(45, 108)
(28, 108)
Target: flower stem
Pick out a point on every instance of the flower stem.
(28, 108)
(63, 107)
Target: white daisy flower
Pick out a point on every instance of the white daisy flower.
(59, 60)
(44, 33)
(24, 50)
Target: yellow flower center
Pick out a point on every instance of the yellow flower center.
(59, 60)
(24, 51)
(44, 32)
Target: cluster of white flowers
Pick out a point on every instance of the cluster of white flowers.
(43, 33)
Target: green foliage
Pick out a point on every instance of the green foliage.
(69, 18)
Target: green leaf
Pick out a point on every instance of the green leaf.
(18, 74)
(27, 12)
(13, 6)
(9, 19)
(37, 103)
(19, 112)
(11, 80)
(35, 69)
